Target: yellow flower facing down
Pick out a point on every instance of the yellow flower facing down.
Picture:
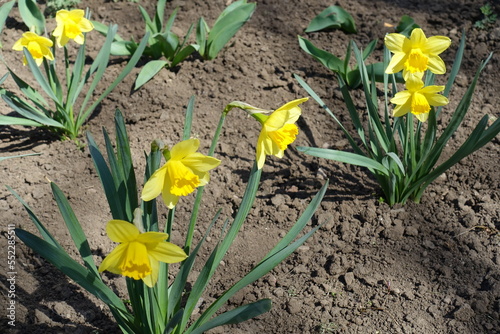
(71, 25)
(183, 172)
(139, 254)
(38, 47)
(278, 130)
(418, 99)
(416, 54)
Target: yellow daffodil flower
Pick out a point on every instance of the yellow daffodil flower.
(38, 46)
(418, 99)
(184, 171)
(71, 25)
(278, 130)
(416, 54)
(139, 254)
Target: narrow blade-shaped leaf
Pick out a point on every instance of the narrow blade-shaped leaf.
(149, 71)
(81, 275)
(130, 65)
(18, 156)
(333, 17)
(345, 157)
(106, 179)
(227, 27)
(29, 112)
(38, 224)
(301, 222)
(326, 58)
(237, 315)
(75, 229)
(31, 15)
(9, 120)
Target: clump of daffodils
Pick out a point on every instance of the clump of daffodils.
(70, 26)
(414, 56)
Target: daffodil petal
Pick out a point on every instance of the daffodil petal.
(417, 38)
(436, 100)
(200, 162)
(167, 252)
(402, 109)
(85, 25)
(422, 117)
(79, 39)
(431, 89)
(186, 147)
(155, 184)
(47, 53)
(169, 199)
(121, 231)
(114, 259)
(414, 83)
(401, 97)
(182, 179)
(151, 280)
(397, 63)
(260, 154)
(292, 104)
(436, 65)
(437, 44)
(152, 237)
(18, 45)
(394, 42)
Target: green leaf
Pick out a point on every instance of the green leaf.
(184, 53)
(150, 26)
(201, 35)
(174, 321)
(406, 25)
(9, 120)
(81, 275)
(106, 178)
(38, 224)
(169, 43)
(4, 13)
(170, 21)
(265, 266)
(160, 13)
(29, 112)
(333, 17)
(128, 68)
(125, 163)
(237, 315)
(18, 156)
(75, 229)
(346, 157)
(31, 15)
(226, 27)
(149, 71)
(301, 222)
(327, 59)
(40, 78)
(351, 108)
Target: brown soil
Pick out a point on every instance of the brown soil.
(431, 267)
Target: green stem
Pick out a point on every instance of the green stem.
(199, 193)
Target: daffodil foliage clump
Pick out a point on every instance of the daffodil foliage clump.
(60, 96)
(403, 151)
(143, 248)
